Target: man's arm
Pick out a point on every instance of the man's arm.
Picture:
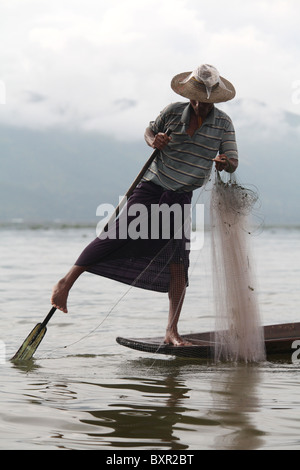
(228, 153)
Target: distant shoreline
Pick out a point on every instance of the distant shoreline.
(61, 225)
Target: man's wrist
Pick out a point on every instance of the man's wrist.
(231, 167)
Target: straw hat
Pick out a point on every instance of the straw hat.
(203, 84)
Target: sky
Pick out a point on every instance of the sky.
(105, 66)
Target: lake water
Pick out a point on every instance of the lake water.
(84, 391)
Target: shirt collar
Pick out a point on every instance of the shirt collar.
(185, 117)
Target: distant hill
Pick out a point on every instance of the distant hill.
(60, 175)
(50, 175)
(269, 142)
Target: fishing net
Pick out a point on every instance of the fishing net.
(239, 334)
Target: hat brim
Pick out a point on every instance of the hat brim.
(194, 90)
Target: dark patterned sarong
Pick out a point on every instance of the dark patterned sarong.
(143, 262)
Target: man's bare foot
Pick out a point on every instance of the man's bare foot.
(174, 338)
(60, 294)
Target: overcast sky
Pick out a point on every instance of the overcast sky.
(107, 66)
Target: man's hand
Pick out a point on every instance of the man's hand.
(156, 141)
(160, 140)
(225, 163)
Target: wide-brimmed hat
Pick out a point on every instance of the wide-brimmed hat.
(203, 84)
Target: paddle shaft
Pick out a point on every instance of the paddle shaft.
(48, 317)
(133, 185)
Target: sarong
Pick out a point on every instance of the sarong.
(144, 261)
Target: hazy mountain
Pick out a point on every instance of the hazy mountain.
(56, 174)
(268, 141)
(49, 175)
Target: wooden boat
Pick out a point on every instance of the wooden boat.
(279, 341)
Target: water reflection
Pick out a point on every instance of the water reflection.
(167, 405)
(149, 422)
(164, 413)
(236, 400)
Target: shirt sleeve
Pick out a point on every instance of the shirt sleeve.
(228, 145)
(160, 125)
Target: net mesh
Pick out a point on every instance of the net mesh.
(239, 334)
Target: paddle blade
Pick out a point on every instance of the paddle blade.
(31, 343)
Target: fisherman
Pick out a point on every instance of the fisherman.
(200, 135)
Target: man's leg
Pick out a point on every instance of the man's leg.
(62, 288)
(94, 252)
(176, 297)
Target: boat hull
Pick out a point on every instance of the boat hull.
(279, 342)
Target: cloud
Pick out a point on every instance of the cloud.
(33, 97)
(107, 66)
(122, 104)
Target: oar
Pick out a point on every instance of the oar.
(31, 343)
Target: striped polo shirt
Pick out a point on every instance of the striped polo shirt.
(186, 162)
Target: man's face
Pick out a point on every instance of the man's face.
(201, 109)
